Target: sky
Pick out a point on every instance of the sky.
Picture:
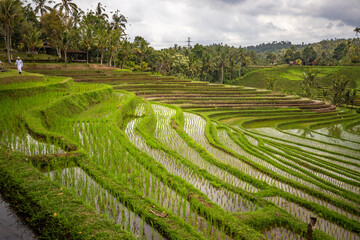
(164, 23)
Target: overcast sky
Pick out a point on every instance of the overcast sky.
(164, 23)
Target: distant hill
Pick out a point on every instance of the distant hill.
(271, 47)
(278, 46)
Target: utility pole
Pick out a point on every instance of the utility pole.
(189, 42)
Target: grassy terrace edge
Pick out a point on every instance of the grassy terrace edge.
(53, 212)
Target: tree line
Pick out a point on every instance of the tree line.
(64, 27)
(324, 53)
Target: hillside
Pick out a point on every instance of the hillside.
(289, 78)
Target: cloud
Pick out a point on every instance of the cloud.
(236, 22)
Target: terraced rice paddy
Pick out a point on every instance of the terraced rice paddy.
(164, 158)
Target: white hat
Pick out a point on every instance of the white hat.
(18, 57)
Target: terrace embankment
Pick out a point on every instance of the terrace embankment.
(199, 176)
(189, 94)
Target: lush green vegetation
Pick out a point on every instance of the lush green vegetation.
(231, 163)
(160, 147)
(63, 32)
(295, 80)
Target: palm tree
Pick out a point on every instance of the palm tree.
(141, 47)
(102, 41)
(66, 5)
(115, 36)
(41, 6)
(10, 10)
(87, 37)
(357, 31)
(76, 17)
(100, 12)
(350, 97)
(33, 40)
(119, 21)
(125, 49)
(68, 40)
(222, 57)
(309, 81)
(338, 88)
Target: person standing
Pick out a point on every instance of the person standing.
(19, 64)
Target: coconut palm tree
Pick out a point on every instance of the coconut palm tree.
(141, 47)
(10, 10)
(33, 40)
(68, 41)
(115, 37)
(125, 50)
(86, 33)
(338, 88)
(309, 81)
(357, 31)
(119, 21)
(222, 58)
(100, 12)
(41, 7)
(102, 38)
(76, 17)
(66, 5)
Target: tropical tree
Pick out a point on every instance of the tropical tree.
(340, 51)
(350, 96)
(126, 48)
(141, 47)
(308, 55)
(119, 21)
(53, 26)
(67, 6)
(115, 37)
(68, 41)
(163, 61)
(100, 12)
(102, 37)
(87, 39)
(76, 17)
(33, 40)
(270, 83)
(271, 57)
(222, 57)
(309, 81)
(338, 88)
(10, 11)
(289, 55)
(357, 31)
(41, 7)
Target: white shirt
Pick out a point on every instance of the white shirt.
(19, 63)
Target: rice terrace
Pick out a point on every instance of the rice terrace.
(106, 138)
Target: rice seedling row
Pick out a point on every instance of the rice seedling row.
(283, 186)
(308, 148)
(168, 136)
(195, 128)
(324, 225)
(105, 203)
(227, 200)
(272, 132)
(320, 178)
(136, 177)
(306, 162)
(128, 171)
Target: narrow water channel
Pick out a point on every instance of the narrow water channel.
(12, 226)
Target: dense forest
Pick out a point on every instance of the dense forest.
(65, 32)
